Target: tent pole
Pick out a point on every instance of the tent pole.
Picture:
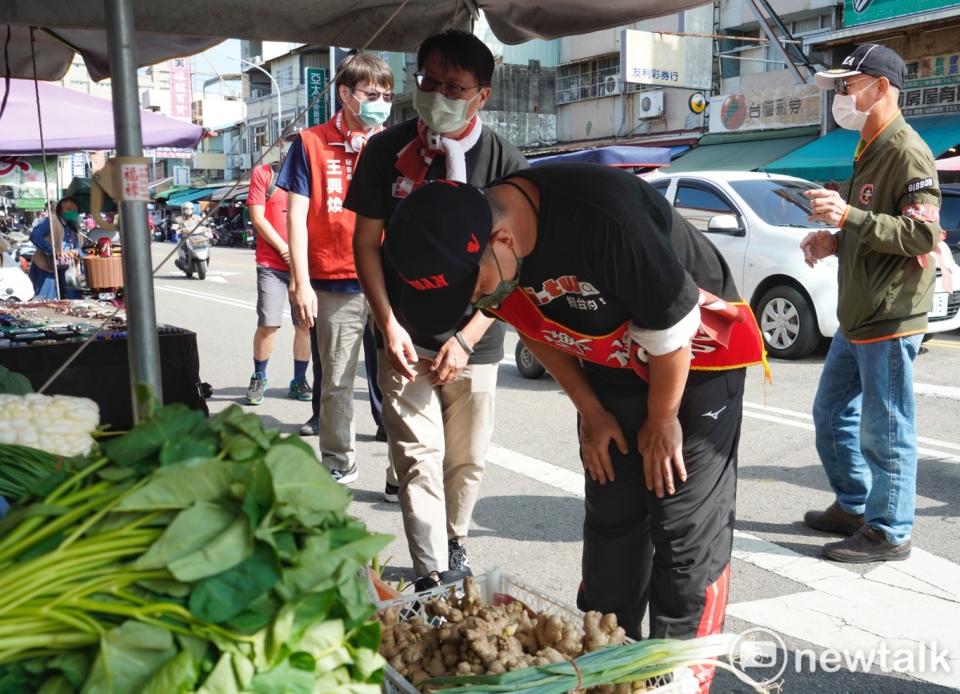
(143, 345)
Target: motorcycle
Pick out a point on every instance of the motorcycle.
(193, 253)
(15, 284)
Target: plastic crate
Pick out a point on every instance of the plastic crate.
(499, 588)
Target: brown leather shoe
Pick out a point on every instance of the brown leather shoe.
(867, 545)
(834, 520)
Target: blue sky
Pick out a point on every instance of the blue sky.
(222, 58)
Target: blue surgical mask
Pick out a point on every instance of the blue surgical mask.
(71, 216)
(373, 113)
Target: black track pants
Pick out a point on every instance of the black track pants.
(672, 554)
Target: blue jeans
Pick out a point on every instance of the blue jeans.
(866, 431)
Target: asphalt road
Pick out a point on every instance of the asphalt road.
(905, 616)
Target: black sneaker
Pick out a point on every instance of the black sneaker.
(258, 384)
(345, 476)
(458, 558)
(381, 434)
(431, 580)
(391, 493)
(434, 579)
(311, 427)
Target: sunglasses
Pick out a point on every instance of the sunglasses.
(842, 86)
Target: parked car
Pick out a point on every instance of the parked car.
(757, 221)
(950, 216)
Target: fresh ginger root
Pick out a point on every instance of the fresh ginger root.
(600, 631)
(472, 638)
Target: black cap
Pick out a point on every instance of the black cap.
(434, 242)
(867, 59)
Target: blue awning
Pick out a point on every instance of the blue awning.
(830, 158)
(618, 155)
(189, 196)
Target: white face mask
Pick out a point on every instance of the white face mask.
(845, 111)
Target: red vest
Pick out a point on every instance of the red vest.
(329, 224)
(729, 337)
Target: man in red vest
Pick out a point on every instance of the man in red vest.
(636, 315)
(324, 288)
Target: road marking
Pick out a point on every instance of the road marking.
(214, 278)
(910, 605)
(937, 391)
(943, 343)
(237, 303)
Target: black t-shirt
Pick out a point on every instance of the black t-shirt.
(610, 248)
(371, 195)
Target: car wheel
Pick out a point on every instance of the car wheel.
(787, 322)
(527, 364)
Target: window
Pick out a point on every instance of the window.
(284, 77)
(797, 28)
(589, 79)
(259, 137)
(661, 186)
(778, 203)
(698, 204)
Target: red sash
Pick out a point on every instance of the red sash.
(728, 338)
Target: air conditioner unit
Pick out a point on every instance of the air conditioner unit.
(650, 103)
(611, 85)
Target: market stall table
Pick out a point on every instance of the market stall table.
(37, 338)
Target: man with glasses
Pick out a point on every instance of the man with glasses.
(324, 289)
(888, 224)
(438, 386)
(636, 315)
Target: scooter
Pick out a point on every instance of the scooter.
(15, 284)
(193, 254)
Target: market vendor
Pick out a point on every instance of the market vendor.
(635, 314)
(58, 247)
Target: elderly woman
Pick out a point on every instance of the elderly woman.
(57, 246)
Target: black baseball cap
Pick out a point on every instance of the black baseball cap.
(867, 59)
(434, 242)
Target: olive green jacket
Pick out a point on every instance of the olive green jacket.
(893, 218)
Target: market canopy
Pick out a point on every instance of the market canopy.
(619, 156)
(71, 26)
(830, 158)
(746, 151)
(75, 121)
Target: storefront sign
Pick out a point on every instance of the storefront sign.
(168, 152)
(315, 82)
(768, 109)
(865, 11)
(180, 89)
(21, 179)
(663, 59)
(181, 175)
(932, 86)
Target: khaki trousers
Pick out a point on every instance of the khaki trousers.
(339, 324)
(438, 438)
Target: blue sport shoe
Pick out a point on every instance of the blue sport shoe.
(300, 390)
